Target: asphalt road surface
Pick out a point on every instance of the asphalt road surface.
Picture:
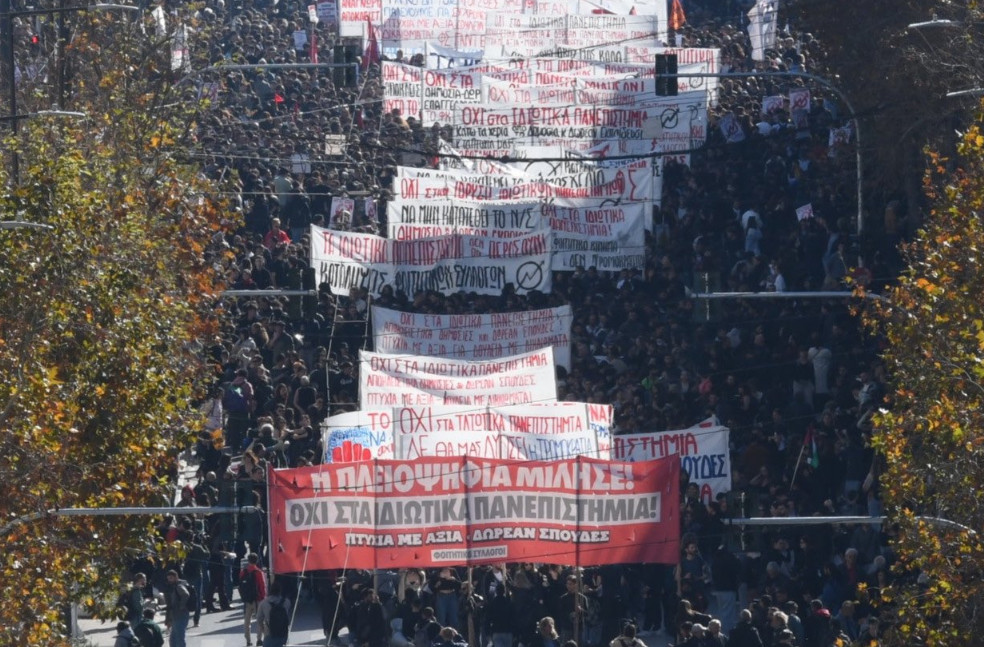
(221, 629)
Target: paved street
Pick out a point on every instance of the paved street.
(222, 629)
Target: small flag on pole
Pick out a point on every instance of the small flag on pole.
(371, 55)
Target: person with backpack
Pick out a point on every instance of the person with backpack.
(131, 600)
(273, 616)
(149, 632)
(178, 598)
(252, 590)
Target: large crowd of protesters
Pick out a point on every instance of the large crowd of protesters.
(795, 380)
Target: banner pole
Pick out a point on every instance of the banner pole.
(577, 557)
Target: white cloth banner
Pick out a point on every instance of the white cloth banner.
(496, 92)
(551, 431)
(447, 264)
(473, 336)
(353, 14)
(762, 27)
(634, 178)
(610, 237)
(442, 90)
(403, 88)
(405, 380)
(598, 36)
(703, 451)
(411, 219)
(410, 24)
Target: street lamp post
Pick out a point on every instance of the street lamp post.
(826, 84)
(7, 15)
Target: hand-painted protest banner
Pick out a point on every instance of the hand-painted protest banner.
(509, 32)
(409, 24)
(403, 88)
(474, 336)
(495, 444)
(447, 264)
(472, 24)
(610, 237)
(600, 417)
(405, 380)
(549, 431)
(465, 511)
(498, 93)
(569, 122)
(634, 177)
(618, 183)
(353, 15)
(411, 219)
(597, 36)
(703, 451)
(442, 90)
(358, 436)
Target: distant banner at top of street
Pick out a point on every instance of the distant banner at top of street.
(468, 25)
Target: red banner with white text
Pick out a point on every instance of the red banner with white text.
(468, 511)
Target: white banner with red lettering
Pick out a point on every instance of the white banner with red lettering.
(703, 451)
(548, 431)
(404, 380)
(447, 264)
(465, 511)
(473, 336)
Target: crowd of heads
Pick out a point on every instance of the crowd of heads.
(794, 379)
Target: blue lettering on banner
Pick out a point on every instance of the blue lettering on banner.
(704, 467)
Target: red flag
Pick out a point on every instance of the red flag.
(677, 17)
(372, 48)
(277, 98)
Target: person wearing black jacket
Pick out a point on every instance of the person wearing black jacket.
(744, 634)
(499, 617)
(371, 624)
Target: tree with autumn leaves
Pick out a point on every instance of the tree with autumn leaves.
(930, 434)
(101, 317)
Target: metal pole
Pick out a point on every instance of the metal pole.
(833, 88)
(8, 57)
(787, 295)
(120, 512)
(232, 294)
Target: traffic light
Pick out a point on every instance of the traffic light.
(666, 75)
(348, 76)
